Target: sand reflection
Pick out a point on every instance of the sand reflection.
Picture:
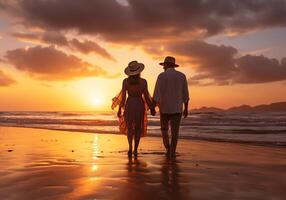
(62, 165)
(170, 178)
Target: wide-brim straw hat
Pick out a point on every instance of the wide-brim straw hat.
(134, 68)
(169, 60)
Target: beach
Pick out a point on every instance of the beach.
(49, 164)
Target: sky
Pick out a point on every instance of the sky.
(62, 55)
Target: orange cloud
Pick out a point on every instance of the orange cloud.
(56, 38)
(49, 63)
(5, 80)
(168, 24)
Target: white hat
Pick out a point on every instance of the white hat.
(134, 68)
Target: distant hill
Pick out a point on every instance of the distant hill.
(274, 107)
(207, 109)
(242, 108)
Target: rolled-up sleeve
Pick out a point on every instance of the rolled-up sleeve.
(185, 90)
(156, 94)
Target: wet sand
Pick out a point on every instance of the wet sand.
(43, 164)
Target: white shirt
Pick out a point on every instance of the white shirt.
(171, 91)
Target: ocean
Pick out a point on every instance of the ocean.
(266, 128)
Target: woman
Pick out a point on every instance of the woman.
(134, 118)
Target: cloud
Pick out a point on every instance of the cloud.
(157, 19)
(86, 17)
(49, 63)
(164, 27)
(260, 69)
(56, 38)
(88, 46)
(210, 60)
(5, 80)
(222, 65)
(47, 37)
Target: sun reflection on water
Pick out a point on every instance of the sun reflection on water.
(95, 152)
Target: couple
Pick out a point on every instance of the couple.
(170, 94)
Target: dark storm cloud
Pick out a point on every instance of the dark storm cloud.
(55, 38)
(5, 80)
(143, 19)
(51, 64)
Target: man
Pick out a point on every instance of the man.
(171, 93)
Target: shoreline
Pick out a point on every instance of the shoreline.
(222, 140)
(44, 164)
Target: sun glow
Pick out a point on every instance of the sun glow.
(94, 167)
(96, 101)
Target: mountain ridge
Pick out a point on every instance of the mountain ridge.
(273, 107)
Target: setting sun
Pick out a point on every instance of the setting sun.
(96, 101)
(134, 99)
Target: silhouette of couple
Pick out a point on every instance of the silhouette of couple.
(170, 94)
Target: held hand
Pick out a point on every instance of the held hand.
(153, 112)
(185, 113)
(119, 113)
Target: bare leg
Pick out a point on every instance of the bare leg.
(137, 140)
(130, 138)
(175, 125)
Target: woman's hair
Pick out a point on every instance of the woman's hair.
(134, 79)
